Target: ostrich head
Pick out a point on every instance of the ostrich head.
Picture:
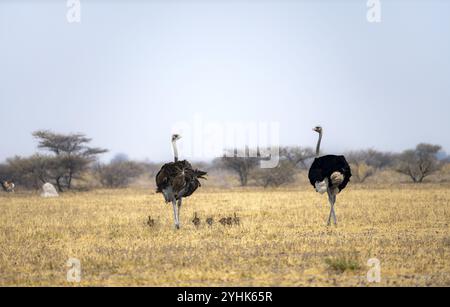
(318, 129)
(175, 137)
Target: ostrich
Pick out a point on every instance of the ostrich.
(223, 221)
(196, 220)
(329, 174)
(209, 221)
(150, 221)
(8, 185)
(176, 180)
(236, 219)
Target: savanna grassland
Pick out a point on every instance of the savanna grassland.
(282, 239)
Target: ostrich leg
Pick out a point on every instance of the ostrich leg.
(332, 209)
(178, 211)
(330, 200)
(175, 214)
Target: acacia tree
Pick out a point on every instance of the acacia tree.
(242, 166)
(72, 155)
(297, 156)
(291, 159)
(420, 162)
(246, 167)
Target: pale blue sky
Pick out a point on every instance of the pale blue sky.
(131, 69)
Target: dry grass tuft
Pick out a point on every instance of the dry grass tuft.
(343, 262)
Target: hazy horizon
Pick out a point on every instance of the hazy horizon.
(132, 71)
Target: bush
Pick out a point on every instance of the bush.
(365, 163)
(118, 174)
(420, 162)
(242, 166)
(361, 171)
(30, 172)
(343, 263)
(5, 172)
(284, 173)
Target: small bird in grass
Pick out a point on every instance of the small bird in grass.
(196, 220)
(209, 221)
(236, 219)
(150, 221)
(223, 221)
(229, 221)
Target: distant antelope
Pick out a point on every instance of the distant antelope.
(8, 186)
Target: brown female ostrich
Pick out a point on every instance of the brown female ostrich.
(176, 180)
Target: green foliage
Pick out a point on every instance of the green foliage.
(343, 263)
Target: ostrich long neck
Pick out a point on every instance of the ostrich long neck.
(175, 150)
(318, 144)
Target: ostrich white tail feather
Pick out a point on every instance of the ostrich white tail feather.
(321, 186)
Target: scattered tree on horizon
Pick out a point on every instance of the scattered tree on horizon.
(242, 166)
(118, 174)
(72, 155)
(284, 173)
(297, 156)
(420, 162)
(29, 172)
(120, 157)
(365, 163)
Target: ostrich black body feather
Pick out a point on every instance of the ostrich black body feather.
(323, 167)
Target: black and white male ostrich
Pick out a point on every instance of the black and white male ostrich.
(176, 180)
(329, 174)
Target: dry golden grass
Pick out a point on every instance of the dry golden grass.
(282, 239)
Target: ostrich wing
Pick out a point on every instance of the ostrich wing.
(180, 176)
(168, 173)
